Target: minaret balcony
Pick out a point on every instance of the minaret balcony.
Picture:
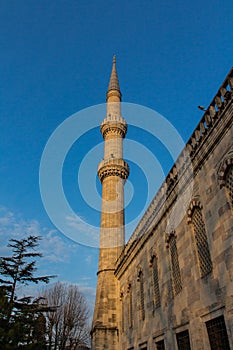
(113, 124)
(113, 167)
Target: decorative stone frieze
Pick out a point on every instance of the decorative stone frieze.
(113, 167)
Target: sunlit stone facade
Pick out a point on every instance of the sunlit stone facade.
(171, 285)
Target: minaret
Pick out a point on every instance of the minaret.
(113, 172)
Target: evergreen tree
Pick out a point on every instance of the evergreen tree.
(21, 319)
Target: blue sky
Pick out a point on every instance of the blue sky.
(56, 60)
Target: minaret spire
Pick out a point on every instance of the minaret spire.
(114, 82)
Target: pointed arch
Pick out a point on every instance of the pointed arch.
(140, 279)
(195, 218)
(225, 176)
(155, 280)
(130, 305)
(174, 262)
(195, 203)
(225, 165)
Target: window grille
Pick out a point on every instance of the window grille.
(142, 302)
(229, 183)
(160, 345)
(155, 282)
(130, 308)
(217, 333)
(175, 268)
(182, 339)
(203, 252)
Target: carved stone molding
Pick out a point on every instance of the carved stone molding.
(139, 273)
(168, 236)
(117, 127)
(113, 167)
(195, 203)
(129, 287)
(153, 256)
(224, 165)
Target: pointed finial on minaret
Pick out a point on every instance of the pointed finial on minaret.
(114, 82)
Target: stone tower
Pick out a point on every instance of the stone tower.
(113, 172)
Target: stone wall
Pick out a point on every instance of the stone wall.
(193, 287)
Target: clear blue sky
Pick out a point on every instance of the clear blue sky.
(56, 60)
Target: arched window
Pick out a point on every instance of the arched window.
(122, 310)
(229, 183)
(155, 278)
(225, 175)
(130, 307)
(141, 294)
(202, 246)
(174, 263)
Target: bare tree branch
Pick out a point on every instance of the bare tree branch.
(68, 325)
